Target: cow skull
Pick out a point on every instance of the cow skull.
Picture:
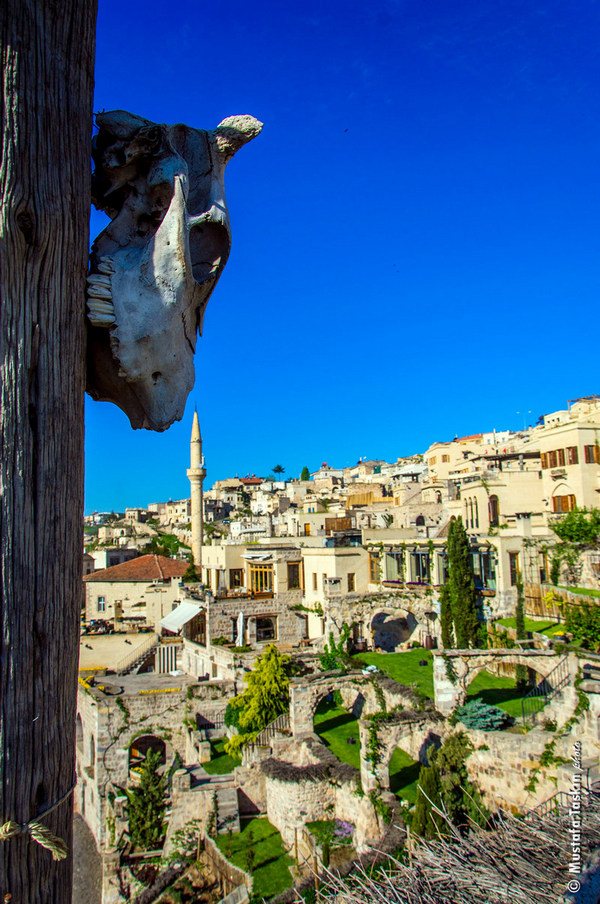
(153, 268)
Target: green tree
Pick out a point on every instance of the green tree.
(305, 475)
(446, 618)
(426, 822)
(462, 799)
(266, 697)
(461, 587)
(577, 531)
(278, 470)
(146, 805)
(190, 575)
(521, 670)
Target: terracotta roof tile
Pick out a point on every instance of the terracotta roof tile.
(144, 568)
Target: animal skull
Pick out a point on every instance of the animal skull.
(153, 268)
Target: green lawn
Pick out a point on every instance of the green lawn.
(270, 866)
(403, 667)
(497, 691)
(335, 725)
(542, 627)
(404, 775)
(220, 762)
(582, 591)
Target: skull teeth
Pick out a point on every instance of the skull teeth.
(101, 307)
(101, 320)
(101, 311)
(105, 265)
(94, 279)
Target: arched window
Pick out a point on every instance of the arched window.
(476, 513)
(494, 511)
(438, 498)
(420, 522)
(471, 523)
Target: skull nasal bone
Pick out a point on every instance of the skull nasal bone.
(156, 376)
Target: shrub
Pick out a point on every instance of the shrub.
(477, 714)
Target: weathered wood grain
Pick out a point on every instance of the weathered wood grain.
(47, 50)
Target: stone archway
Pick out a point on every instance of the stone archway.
(306, 695)
(142, 745)
(453, 670)
(413, 732)
(389, 628)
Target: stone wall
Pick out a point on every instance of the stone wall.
(453, 670)
(108, 723)
(415, 607)
(311, 784)
(291, 625)
(502, 764)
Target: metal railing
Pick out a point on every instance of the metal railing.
(557, 805)
(537, 698)
(278, 725)
(130, 659)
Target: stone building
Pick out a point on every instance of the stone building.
(138, 592)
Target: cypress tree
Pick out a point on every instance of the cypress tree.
(461, 587)
(146, 805)
(426, 822)
(521, 670)
(446, 618)
(305, 475)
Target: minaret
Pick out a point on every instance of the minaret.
(196, 473)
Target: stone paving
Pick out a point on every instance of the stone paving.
(87, 865)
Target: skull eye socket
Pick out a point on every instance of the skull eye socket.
(156, 376)
(208, 242)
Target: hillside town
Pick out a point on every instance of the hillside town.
(288, 663)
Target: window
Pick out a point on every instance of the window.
(315, 581)
(432, 460)
(552, 459)
(561, 457)
(445, 458)
(101, 604)
(293, 575)
(236, 578)
(261, 578)
(374, 567)
(351, 583)
(208, 584)
(572, 455)
(420, 522)
(494, 511)
(476, 513)
(544, 457)
(265, 629)
(563, 503)
(513, 561)
(592, 454)
(307, 530)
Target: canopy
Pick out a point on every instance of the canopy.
(180, 616)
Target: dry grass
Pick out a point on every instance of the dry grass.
(520, 861)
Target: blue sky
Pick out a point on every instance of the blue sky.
(415, 232)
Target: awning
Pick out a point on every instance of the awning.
(259, 556)
(180, 616)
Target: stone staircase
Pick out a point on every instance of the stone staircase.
(228, 812)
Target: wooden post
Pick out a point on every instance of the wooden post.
(47, 60)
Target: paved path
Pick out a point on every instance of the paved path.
(87, 865)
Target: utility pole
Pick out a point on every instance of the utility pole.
(47, 96)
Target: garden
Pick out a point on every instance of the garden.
(221, 763)
(258, 850)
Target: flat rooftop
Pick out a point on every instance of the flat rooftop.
(105, 651)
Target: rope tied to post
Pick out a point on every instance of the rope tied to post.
(40, 834)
